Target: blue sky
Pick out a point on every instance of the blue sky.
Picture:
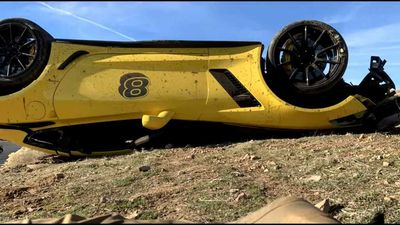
(369, 28)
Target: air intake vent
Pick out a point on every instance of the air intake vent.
(234, 88)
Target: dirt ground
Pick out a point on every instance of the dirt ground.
(214, 183)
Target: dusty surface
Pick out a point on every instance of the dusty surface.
(8, 148)
(214, 183)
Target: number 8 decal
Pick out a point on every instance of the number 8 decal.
(133, 85)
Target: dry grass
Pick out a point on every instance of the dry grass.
(202, 184)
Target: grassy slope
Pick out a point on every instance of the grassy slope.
(201, 184)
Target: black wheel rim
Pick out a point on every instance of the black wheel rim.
(309, 55)
(18, 49)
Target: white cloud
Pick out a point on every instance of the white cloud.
(66, 12)
(385, 35)
(345, 16)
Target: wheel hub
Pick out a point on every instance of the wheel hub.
(12, 51)
(306, 58)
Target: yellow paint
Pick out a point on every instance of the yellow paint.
(180, 88)
(157, 122)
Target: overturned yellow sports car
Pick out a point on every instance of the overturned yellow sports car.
(79, 97)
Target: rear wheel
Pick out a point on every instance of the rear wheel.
(309, 57)
(24, 52)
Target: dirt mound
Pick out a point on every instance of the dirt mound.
(24, 156)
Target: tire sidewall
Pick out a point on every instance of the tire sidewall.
(44, 39)
(322, 87)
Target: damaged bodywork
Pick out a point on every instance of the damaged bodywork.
(78, 97)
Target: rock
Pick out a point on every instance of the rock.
(19, 212)
(35, 166)
(314, 178)
(276, 167)
(191, 156)
(133, 215)
(323, 205)
(30, 209)
(386, 164)
(361, 137)
(387, 199)
(238, 174)
(386, 182)
(59, 176)
(334, 161)
(254, 157)
(234, 190)
(240, 196)
(144, 168)
(379, 157)
(103, 199)
(29, 170)
(247, 156)
(181, 172)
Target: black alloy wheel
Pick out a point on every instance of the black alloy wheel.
(309, 56)
(24, 52)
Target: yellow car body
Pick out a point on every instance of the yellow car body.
(179, 84)
(155, 82)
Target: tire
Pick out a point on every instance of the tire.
(309, 57)
(24, 53)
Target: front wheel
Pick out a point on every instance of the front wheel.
(308, 56)
(24, 52)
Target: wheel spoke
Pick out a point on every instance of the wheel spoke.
(305, 34)
(11, 39)
(327, 61)
(22, 34)
(293, 73)
(327, 48)
(26, 54)
(29, 42)
(319, 38)
(307, 75)
(294, 41)
(316, 68)
(284, 63)
(8, 68)
(2, 38)
(20, 63)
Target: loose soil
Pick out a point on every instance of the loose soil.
(214, 183)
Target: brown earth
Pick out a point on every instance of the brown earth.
(214, 183)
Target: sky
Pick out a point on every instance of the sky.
(369, 28)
